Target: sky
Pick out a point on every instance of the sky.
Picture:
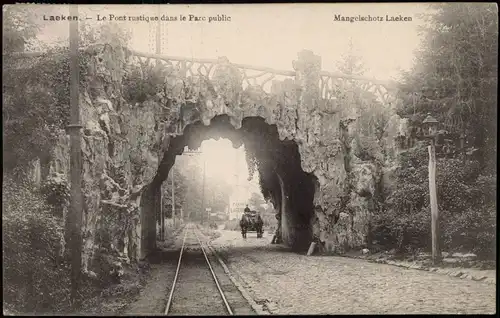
(269, 35)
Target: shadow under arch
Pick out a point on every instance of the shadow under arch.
(282, 180)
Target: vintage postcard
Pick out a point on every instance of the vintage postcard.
(249, 159)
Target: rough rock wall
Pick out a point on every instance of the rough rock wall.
(365, 185)
(121, 148)
(126, 146)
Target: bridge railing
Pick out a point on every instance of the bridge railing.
(330, 83)
(193, 67)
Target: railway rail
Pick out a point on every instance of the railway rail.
(195, 289)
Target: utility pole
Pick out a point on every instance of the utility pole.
(75, 212)
(228, 204)
(162, 217)
(158, 51)
(203, 191)
(173, 195)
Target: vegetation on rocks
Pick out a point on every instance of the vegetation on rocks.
(57, 194)
(36, 274)
(144, 82)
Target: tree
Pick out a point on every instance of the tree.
(455, 74)
(22, 24)
(372, 115)
(454, 77)
(180, 188)
(351, 63)
(212, 191)
(192, 172)
(217, 194)
(19, 28)
(110, 33)
(256, 200)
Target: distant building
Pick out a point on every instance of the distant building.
(236, 210)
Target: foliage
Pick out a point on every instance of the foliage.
(192, 171)
(256, 200)
(189, 192)
(19, 28)
(372, 115)
(367, 148)
(466, 205)
(143, 82)
(57, 194)
(252, 162)
(180, 184)
(455, 74)
(351, 63)
(34, 110)
(109, 33)
(373, 118)
(474, 229)
(217, 194)
(454, 77)
(36, 279)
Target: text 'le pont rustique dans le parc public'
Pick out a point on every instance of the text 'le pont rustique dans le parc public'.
(143, 18)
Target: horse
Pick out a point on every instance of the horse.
(244, 224)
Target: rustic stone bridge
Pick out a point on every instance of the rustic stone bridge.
(140, 110)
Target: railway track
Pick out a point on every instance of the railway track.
(196, 289)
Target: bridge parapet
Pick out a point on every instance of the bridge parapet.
(331, 85)
(207, 68)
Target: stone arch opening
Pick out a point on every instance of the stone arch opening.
(278, 162)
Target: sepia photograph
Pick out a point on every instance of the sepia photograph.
(249, 159)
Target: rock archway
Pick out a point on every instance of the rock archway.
(138, 109)
(282, 179)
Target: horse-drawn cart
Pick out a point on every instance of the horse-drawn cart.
(251, 222)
